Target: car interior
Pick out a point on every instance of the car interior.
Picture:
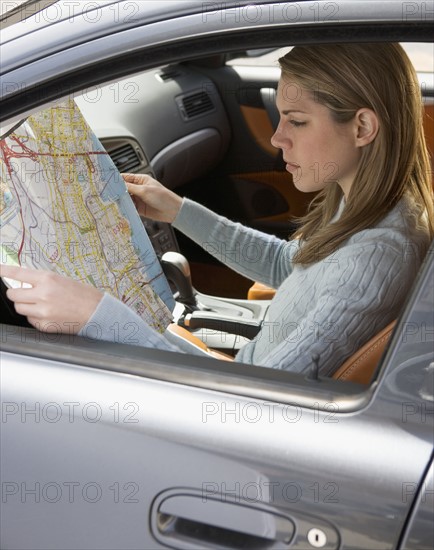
(202, 127)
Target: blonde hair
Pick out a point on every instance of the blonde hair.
(346, 78)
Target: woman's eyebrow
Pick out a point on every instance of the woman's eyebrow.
(289, 111)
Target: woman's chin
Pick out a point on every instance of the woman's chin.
(307, 186)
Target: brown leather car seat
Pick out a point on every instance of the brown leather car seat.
(361, 366)
(258, 291)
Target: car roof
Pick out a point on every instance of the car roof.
(71, 36)
(86, 21)
(37, 14)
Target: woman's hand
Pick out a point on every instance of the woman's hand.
(53, 303)
(151, 198)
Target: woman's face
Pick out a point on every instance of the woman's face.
(317, 150)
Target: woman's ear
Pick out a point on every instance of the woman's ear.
(367, 126)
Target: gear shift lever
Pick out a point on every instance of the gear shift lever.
(177, 270)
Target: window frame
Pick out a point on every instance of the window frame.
(201, 372)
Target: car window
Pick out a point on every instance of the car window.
(420, 54)
(200, 129)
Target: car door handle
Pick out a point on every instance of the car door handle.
(190, 521)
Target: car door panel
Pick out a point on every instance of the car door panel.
(259, 124)
(419, 533)
(65, 478)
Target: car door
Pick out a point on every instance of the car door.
(113, 446)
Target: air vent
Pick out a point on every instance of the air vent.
(169, 74)
(194, 105)
(125, 158)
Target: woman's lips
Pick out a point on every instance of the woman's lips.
(291, 167)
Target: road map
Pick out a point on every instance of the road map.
(65, 207)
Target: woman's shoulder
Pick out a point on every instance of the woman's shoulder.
(401, 229)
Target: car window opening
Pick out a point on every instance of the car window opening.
(200, 314)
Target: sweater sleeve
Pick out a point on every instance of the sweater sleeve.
(113, 321)
(255, 255)
(349, 310)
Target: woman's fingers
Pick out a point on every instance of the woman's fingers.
(135, 189)
(136, 194)
(135, 179)
(151, 198)
(21, 274)
(26, 309)
(22, 295)
(53, 303)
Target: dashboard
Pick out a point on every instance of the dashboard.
(162, 121)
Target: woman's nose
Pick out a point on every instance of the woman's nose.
(279, 141)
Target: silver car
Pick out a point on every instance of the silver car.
(114, 446)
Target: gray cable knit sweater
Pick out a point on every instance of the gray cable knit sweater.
(330, 308)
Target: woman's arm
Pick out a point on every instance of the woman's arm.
(257, 256)
(56, 304)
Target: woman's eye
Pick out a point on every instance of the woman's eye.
(297, 123)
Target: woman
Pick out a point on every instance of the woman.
(350, 128)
